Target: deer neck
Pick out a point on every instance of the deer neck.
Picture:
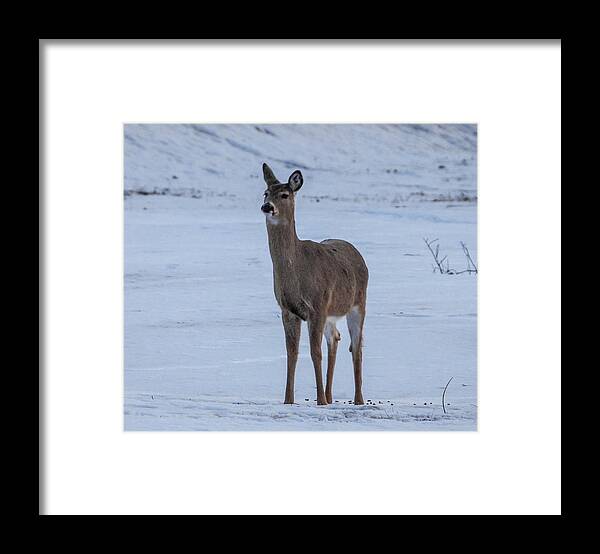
(283, 244)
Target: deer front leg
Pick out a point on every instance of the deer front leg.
(315, 331)
(291, 326)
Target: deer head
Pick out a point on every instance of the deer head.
(279, 202)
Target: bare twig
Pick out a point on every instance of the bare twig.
(470, 261)
(436, 254)
(444, 395)
(443, 265)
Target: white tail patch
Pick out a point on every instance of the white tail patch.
(331, 333)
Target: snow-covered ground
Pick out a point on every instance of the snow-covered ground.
(204, 346)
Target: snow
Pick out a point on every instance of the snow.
(204, 347)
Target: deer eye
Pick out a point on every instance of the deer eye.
(265, 194)
(284, 195)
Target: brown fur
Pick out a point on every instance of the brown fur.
(314, 281)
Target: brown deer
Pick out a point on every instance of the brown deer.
(316, 282)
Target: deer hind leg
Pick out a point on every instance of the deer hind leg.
(291, 326)
(332, 336)
(315, 331)
(355, 319)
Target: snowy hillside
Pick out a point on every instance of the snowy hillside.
(204, 347)
(391, 163)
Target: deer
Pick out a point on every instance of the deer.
(315, 282)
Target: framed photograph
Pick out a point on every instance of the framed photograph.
(280, 266)
(239, 285)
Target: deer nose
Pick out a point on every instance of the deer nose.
(267, 208)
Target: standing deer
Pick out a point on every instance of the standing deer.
(316, 282)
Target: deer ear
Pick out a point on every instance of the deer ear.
(270, 178)
(295, 181)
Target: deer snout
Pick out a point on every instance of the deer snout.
(268, 208)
